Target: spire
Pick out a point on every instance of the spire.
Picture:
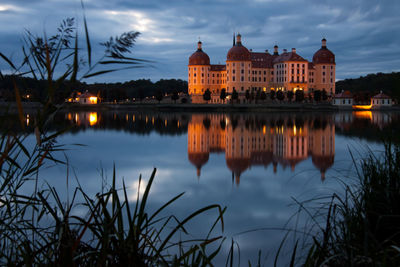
(323, 42)
(276, 50)
(238, 39)
(199, 45)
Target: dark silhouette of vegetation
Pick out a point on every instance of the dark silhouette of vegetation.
(207, 95)
(361, 227)
(290, 95)
(263, 96)
(317, 95)
(159, 95)
(235, 95)
(324, 95)
(272, 94)
(222, 95)
(373, 84)
(280, 96)
(108, 92)
(299, 95)
(247, 95)
(175, 96)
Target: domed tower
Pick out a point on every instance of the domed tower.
(238, 68)
(198, 77)
(325, 72)
(323, 148)
(198, 143)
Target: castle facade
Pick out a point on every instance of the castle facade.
(257, 72)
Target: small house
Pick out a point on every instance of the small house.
(82, 98)
(381, 101)
(343, 99)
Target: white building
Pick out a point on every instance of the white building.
(343, 99)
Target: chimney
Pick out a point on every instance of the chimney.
(266, 50)
(284, 50)
(294, 50)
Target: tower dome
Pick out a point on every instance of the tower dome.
(238, 52)
(324, 55)
(199, 57)
(198, 159)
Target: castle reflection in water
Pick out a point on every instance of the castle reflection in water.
(248, 141)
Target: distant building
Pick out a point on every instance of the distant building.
(82, 98)
(259, 71)
(381, 101)
(343, 99)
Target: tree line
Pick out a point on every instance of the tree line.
(35, 90)
(364, 87)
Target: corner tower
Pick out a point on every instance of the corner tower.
(238, 68)
(325, 71)
(198, 77)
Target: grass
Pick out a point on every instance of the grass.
(360, 227)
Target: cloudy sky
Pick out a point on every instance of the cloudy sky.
(363, 34)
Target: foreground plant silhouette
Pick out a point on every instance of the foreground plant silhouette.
(361, 226)
(39, 228)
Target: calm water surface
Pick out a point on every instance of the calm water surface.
(255, 164)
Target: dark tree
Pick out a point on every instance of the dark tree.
(272, 95)
(175, 96)
(207, 95)
(247, 95)
(235, 95)
(299, 96)
(290, 95)
(159, 96)
(280, 96)
(317, 95)
(263, 96)
(141, 94)
(222, 96)
(258, 95)
(324, 95)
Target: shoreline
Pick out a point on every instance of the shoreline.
(11, 106)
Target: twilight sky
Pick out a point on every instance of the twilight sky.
(363, 34)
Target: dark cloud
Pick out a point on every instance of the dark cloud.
(362, 34)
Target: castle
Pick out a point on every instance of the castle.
(259, 71)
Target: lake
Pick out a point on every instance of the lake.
(255, 164)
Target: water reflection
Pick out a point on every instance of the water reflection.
(251, 140)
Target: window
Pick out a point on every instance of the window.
(242, 89)
(233, 78)
(323, 67)
(265, 73)
(233, 71)
(242, 79)
(323, 73)
(242, 71)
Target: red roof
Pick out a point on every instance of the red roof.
(199, 58)
(344, 94)
(261, 60)
(238, 53)
(324, 56)
(217, 67)
(381, 96)
(288, 56)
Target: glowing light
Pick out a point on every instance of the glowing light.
(93, 99)
(363, 114)
(264, 129)
(362, 106)
(294, 130)
(92, 118)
